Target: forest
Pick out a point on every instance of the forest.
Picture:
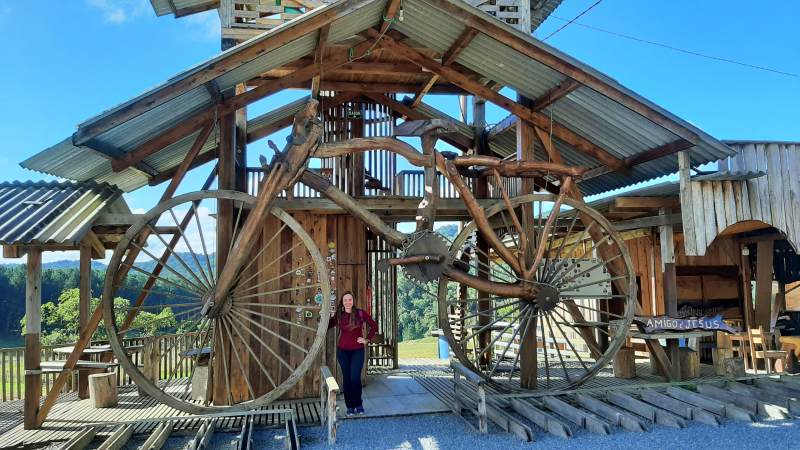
(416, 309)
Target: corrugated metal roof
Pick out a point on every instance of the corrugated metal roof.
(182, 7)
(53, 212)
(596, 117)
(728, 176)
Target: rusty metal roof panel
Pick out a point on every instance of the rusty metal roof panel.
(53, 212)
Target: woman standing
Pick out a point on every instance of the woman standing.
(350, 348)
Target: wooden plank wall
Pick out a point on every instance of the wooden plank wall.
(773, 199)
(646, 258)
(342, 241)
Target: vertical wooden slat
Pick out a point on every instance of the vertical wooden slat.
(33, 327)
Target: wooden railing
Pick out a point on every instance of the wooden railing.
(406, 183)
(12, 372)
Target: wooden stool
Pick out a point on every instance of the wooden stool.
(719, 356)
(624, 363)
(199, 383)
(690, 363)
(734, 367)
(103, 390)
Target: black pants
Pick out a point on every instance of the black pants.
(351, 362)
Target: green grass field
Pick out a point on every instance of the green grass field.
(418, 348)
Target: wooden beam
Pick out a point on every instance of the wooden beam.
(381, 88)
(33, 328)
(389, 15)
(449, 57)
(763, 310)
(84, 302)
(647, 222)
(170, 174)
(555, 94)
(235, 59)
(322, 42)
(355, 67)
(645, 203)
(13, 251)
(525, 44)
(196, 121)
(659, 152)
(537, 119)
(455, 139)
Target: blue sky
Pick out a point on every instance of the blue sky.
(69, 60)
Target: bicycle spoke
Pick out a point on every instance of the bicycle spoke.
(178, 258)
(258, 324)
(242, 324)
(267, 316)
(277, 291)
(569, 342)
(211, 272)
(239, 359)
(254, 259)
(555, 343)
(288, 272)
(265, 267)
(510, 342)
(253, 355)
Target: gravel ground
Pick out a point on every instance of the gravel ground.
(445, 432)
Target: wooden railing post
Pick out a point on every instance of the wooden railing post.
(328, 390)
(33, 326)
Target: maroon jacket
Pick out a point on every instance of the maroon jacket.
(348, 335)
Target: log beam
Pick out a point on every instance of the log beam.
(528, 47)
(33, 328)
(449, 57)
(322, 42)
(147, 102)
(537, 119)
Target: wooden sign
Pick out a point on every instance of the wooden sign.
(665, 323)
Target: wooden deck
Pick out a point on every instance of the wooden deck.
(420, 386)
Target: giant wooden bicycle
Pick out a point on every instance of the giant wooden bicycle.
(536, 292)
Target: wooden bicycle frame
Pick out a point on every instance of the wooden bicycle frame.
(289, 166)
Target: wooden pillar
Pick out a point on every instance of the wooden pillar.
(764, 283)
(525, 152)
(481, 188)
(687, 208)
(747, 287)
(240, 144)
(33, 328)
(667, 244)
(84, 301)
(226, 179)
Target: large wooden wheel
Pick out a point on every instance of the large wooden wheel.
(252, 348)
(574, 323)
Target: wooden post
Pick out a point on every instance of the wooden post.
(226, 179)
(240, 144)
(667, 244)
(687, 209)
(747, 287)
(763, 283)
(624, 363)
(84, 300)
(527, 349)
(483, 421)
(482, 191)
(33, 328)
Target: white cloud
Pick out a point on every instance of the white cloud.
(120, 11)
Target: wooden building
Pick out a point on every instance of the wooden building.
(356, 57)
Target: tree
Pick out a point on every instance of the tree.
(60, 319)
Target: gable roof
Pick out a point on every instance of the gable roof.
(50, 212)
(600, 109)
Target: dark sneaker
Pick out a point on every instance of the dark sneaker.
(350, 412)
(359, 410)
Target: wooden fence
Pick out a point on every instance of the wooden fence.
(12, 372)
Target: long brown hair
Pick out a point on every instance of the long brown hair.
(354, 319)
